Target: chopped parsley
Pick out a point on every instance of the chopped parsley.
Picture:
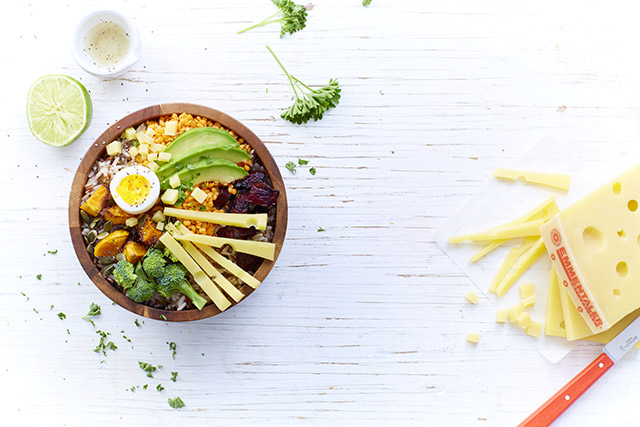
(321, 229)
(159, 387)
(172, 347)
(312, 171)
(103, 346)
(176, 402)
(148, 368)
(94, 310)
(136, 323)
(302, 162)
(39, 277)
(174, 375)
(163, 317)
(203, 208)
(62, 316)
(25, 295)
(145, 386)
(52, 252)
(291, 166)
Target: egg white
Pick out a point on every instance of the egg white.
(148, 202)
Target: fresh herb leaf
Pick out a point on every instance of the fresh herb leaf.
(52, 252)
(302, 162)
(163, 317)
(174, 375)
(148, 368)
(39, 277)
(135, 143)
(35, 311)
(111, 346)
(136, 323)
(62, 316)
(176, 402)
(145, 386)
(312, 171)
(366, 2)
(202, 208)
(178, 166)
(102, 346)
(94, 310)
(321, 229)
(291, 166)
(291, 17)
(25, 295)
(172, 347)
(309, 103)
(159, 387)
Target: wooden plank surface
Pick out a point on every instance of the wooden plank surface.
(364, 323)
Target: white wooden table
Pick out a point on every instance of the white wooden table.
(364, 323)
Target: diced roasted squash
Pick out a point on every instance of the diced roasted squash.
(134, 251)
(116, 215)
(96, 201)
(149, 234)
(111, 245)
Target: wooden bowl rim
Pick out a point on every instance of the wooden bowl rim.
(98, 148)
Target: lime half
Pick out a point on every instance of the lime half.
(58, 109)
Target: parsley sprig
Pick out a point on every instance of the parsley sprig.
(291, 17)
(309, 103)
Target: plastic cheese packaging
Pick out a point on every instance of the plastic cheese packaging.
(594, 248)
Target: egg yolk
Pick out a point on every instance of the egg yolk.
(134, 189)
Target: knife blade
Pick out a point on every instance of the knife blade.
(611, 354)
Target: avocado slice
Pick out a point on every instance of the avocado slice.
(200, 137)
(220, 170)
(194, 155)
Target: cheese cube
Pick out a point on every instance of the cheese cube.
(130, 133)
(534, 329)
(150, 132)
(171, 127)
(170, 197)
(524, 320)
(594, 249)
(473, 338)
(131, 222)
(201, 196)
(527, 290)
(174, 181)
(114, 148)
(164, 157)
(529, 301)
(144, 138)
(133, 152)
(514, 312)
(470, 296)
(501, 315)
(143, 149)
(153, 166)
(152, 157)
(158, 216)
(158, 147)
(160, 226)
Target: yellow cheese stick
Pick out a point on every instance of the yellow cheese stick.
(225, 263)
(555, 180)
(259, 221)
(529, 228)
(199, 276)
(554, 324)
(262, 249)
(524, 262)
(509, 261)
(204, 263)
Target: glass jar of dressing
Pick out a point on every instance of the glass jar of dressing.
(106, 43)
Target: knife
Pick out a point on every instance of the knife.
(611, 354)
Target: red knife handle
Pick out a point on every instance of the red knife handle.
(559, 402)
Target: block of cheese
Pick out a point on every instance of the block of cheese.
(501, 315)
(534, 329)
(594, 247)
(473, 338)
(259, 221)
(554, 324)
(555, 180)
(527, 290)
(472, 297)
(262, 249)
(528, 301)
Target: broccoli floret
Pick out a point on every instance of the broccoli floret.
(170, 255)
(123, 274)
(173, 280)
(153, 263)
(143, 289)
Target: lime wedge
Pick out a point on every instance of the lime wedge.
(58, 110)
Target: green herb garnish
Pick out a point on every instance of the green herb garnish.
(366, 2)
(172, 347)
(102, 346)
(321, 229)
(302, 162)
(62, 316)
(163, 317)
(174, 375)
(291, 17)
(136, 323)
(203, 208)
(145, 386)
(159, 387)
(39, 277)
(291, 166)
(312, 171)
(309, 103)
(94, 310)
(176, 402)
(148, 368)
(52, 252)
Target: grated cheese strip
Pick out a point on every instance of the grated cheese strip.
(556, 180)
(259, 221)
(262, 249)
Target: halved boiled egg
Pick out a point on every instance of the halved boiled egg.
(135, 189)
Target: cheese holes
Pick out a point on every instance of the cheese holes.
(622, 269)
(617, 292)
(594, 239)
(632, 205)
(617, 188)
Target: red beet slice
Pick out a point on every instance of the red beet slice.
(253, 177)
(262, 194)
(223, 197)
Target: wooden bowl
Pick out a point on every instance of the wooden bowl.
(97, 149)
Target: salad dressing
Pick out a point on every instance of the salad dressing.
(107, 43)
